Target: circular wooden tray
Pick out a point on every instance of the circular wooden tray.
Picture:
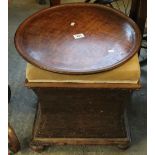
(77, 38)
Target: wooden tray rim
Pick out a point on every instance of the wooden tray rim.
(22, 52)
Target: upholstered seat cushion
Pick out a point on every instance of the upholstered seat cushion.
(128, 72)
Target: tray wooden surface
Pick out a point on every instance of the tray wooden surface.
(77, 38)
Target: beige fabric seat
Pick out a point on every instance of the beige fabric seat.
(128, 73)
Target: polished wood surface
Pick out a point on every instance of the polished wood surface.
(14, 144)
(110, 38)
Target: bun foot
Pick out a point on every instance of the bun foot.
(37, 147)
(123, 146)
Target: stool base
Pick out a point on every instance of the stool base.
(80, 117)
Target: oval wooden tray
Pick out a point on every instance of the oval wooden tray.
(77, 38)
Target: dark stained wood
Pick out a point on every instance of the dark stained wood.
(134, 9)
(13, 140)
(14, 144)
(101, 1)
(138, 13)
(81, 116)
(51, 2)
(111, 38)
(82, 113)
(54, 2)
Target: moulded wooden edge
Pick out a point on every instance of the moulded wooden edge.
(83, 141)
(83, 85)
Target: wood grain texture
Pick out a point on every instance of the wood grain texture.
(46, 38)
(80, 117)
